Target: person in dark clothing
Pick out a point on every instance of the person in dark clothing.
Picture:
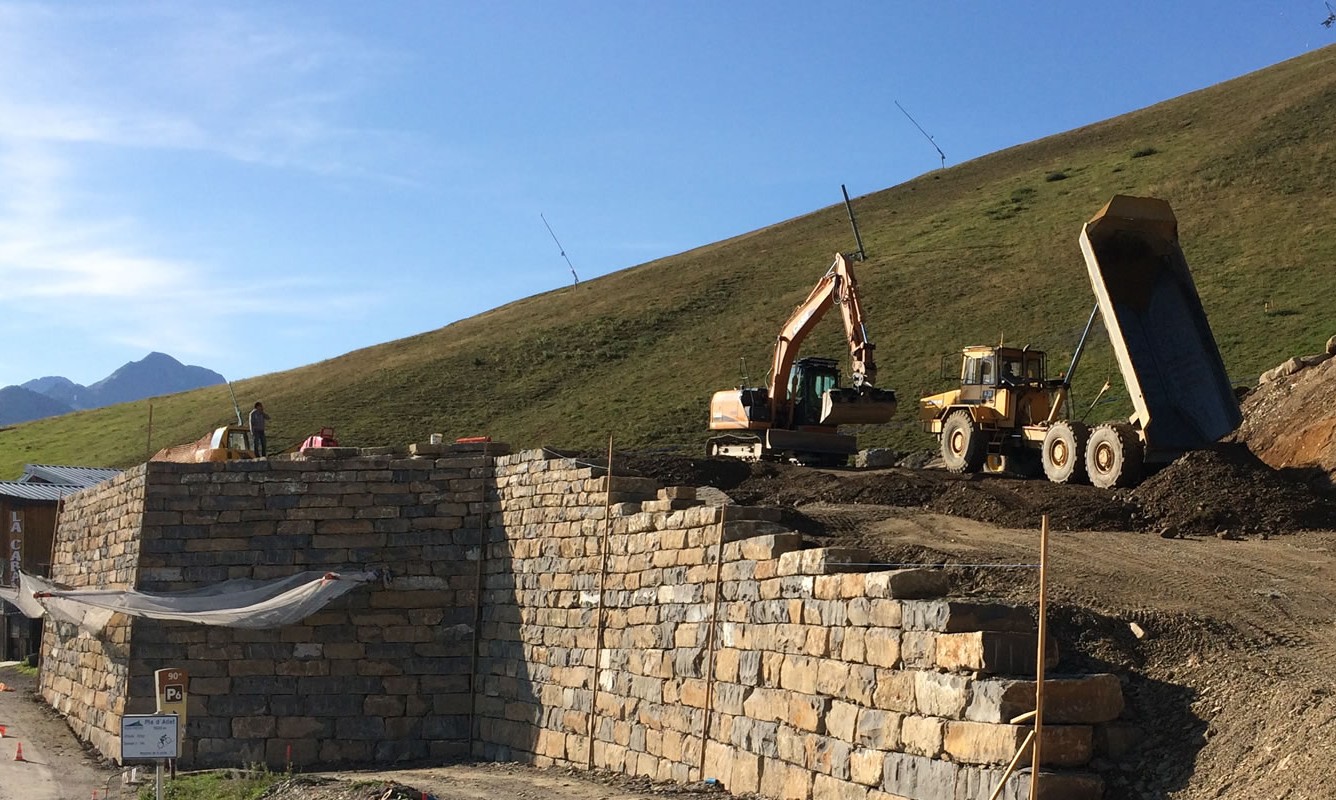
(257, 419)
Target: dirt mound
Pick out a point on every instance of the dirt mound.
(1227, 488)
(987, 498)
(1289, 420)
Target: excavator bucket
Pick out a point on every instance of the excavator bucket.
(871, 406)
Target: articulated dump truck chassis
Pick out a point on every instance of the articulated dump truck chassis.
(1008, 415)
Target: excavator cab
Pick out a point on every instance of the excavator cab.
(809, 382)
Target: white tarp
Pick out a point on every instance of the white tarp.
(230, 604)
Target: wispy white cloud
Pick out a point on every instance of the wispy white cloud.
(80, 84)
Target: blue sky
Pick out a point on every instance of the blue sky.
(257, 186)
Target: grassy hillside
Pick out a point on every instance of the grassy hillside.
(966, 255)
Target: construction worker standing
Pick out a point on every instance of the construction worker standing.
(257, 419)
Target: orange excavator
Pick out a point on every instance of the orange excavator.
(796, 416)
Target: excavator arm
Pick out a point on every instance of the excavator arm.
(837, 287)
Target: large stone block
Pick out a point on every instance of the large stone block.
(910, 583)
(941, 695)
(975, 783)
(985, 743)
(993, 652)
(957, 616)
(878, 730)
(896, 690)
(1085, 699)
(784, 781)
(824, 787)
(867, 766)
(881, 647)
(833, 560)
(919, 777)
(921, 735)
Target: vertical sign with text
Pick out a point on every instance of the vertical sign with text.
(172, 695)
(15, 530)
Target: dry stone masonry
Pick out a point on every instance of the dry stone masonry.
(538, 610)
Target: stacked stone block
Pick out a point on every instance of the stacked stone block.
(618, 624)
(379, 675)
(819, 677)
(97, 544)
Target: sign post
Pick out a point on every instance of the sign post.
(150, 737)
(172, 684)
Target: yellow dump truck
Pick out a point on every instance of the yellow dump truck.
(1007, 414)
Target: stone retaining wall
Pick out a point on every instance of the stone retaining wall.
(637, 614)
(96, 545)
(380, 675)
(818, 677)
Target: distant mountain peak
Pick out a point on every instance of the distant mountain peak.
(153, 375)
(19, 404)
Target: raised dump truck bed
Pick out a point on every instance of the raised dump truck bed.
(1181, 395)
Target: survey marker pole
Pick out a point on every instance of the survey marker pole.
(1039, 666)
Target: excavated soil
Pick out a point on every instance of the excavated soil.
(1225, 490)
(1228, 490)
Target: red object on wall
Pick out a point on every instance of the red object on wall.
(323, 439)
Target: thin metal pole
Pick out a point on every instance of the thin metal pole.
(710, 638)
(1039, 666)
(602, 587)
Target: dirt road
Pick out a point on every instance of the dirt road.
(55, 766)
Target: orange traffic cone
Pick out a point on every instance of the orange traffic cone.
(19, 755)
(2, 731)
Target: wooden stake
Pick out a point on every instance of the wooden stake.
(1038, 732)
(1016, 759)
(602, 587)
(709, 641)
(476, 680)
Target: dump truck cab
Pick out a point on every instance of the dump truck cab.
(999, 411)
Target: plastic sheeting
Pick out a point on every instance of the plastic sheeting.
(230, 604)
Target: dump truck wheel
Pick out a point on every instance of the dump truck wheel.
(963, 445)
(1064, 451)
(1114, 456)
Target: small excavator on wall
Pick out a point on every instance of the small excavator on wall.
(796, 416)
(225, 443)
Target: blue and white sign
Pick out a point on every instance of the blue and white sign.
(148, 736)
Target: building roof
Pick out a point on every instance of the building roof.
(81, 477)
(50, 492)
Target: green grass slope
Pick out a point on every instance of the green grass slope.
(967, 255)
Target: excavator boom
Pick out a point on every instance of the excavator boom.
(837, 287)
